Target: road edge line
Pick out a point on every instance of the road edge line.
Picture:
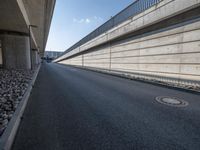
(10, 132)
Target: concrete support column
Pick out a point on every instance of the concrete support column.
(16, 51)
(38, 58)
(1, 54)
(34, 58)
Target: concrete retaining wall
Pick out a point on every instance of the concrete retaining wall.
(160, 12)
(162, 43)
(173, 53)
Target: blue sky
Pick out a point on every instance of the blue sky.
(74, 19)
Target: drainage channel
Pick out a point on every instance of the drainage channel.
(172, 101)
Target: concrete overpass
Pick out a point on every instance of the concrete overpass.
(20, 20)
(154, 40)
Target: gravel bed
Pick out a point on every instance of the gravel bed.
(13, 84)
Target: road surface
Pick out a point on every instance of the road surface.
(75, 109)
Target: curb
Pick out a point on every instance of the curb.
(8, 136)
(127, 76)
(131, 77)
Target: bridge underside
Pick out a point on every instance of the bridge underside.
(23, 22)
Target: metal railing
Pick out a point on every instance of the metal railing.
(135, 8)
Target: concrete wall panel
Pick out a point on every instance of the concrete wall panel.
(172, 53)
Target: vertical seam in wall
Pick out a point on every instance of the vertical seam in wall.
(110, 56)
(138, 65)
(181, 50)
(83, 60)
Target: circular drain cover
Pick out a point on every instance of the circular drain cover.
(171, 101)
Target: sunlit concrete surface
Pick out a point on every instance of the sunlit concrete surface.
(162, 42)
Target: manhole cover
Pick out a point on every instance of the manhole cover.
(171, 101)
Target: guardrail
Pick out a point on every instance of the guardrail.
(135, 8)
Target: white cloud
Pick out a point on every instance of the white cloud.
(88, 20)
(99, 19)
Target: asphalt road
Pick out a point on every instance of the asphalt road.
(75, 109)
